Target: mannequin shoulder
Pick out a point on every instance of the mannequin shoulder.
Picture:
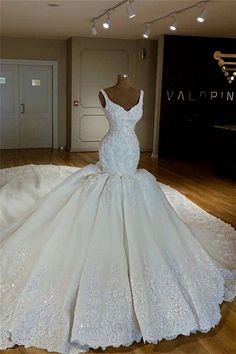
(115, 91)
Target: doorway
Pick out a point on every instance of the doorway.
(28, 113)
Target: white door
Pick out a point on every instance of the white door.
(9, 109)
(96, 66)
(35, 99)
(26, 106)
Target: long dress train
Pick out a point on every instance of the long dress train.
(105, 255)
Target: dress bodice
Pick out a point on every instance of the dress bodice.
(119, 149)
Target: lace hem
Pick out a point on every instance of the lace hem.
(88, 347)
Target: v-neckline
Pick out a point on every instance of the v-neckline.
(118, 105)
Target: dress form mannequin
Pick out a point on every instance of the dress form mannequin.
(122, 93)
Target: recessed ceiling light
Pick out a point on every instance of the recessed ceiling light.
(107, 23)
(201, 18)
(130, 9)
(94, 28)
(53, 5)
(174, 25)
(147, 32)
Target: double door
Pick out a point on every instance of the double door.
(25, 106)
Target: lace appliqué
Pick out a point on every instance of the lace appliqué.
(119, 149)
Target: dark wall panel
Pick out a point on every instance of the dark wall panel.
(195, 96)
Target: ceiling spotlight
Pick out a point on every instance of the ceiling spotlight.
(234, 73)
(203, 15)
(232, 78)
(94, 28)
(130, 9)
(107, 23)
(147, 32)
(174, 25)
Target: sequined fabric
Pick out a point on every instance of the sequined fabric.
(105, 255)
(119, 149)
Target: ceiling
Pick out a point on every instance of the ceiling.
(35, 19)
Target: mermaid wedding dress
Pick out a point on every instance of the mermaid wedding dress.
(98, 256)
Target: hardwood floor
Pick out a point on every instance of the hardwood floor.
(197, 182)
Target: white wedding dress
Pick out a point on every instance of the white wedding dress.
(105, 255)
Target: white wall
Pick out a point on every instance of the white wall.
(66, 53)
(42, 49)
(142, 75)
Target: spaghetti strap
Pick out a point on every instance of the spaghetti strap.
(141, 95)
(108, 100)
(105, 97)
(104, 93)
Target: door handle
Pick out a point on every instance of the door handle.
(22, 108)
